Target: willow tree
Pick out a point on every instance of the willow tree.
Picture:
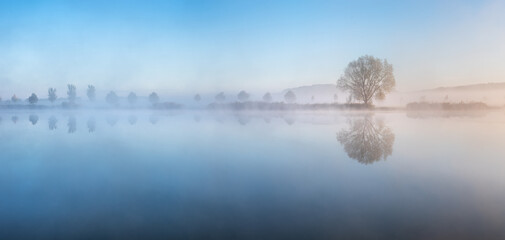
(367, 78)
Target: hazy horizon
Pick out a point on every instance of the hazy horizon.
(185, 47)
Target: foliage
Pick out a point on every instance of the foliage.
(71, 92)
(132, 98)
(91, 93)
(243, 96)
(51, 94)
(290, 97)
(112, 98)
(33, 99)
(367, 78)
(153, 98)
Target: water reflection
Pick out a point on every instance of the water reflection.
(367, 140)
(243, 119)
(132, 119)
(289, 120)
(112, 120)
(14, 119)
(72, 124)
(33, 119)
(153, 119)
(91, 125)
(52, 123)
(197, 118)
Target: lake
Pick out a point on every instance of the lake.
(251, 175)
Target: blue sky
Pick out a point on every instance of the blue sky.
(207, 46)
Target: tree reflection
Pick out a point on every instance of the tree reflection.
(91, 125)
(33, 119)
(290, 120)
(14, 119)
(52, 123)
(367, 140)
(153, 119)
(132, 119)
(243, 119)
(72, 124)
(112, 120)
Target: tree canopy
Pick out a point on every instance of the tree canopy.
(153, 98)
(71, 92)
(367, 78)
(132, 98)
(33, 99)
(112, 98)
(243, 96)
(290, 97)
(51, 94)
(91, 93)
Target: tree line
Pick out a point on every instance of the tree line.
(365, 79)
(113, 99)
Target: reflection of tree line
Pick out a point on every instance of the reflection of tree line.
(367, 140)
(242, 119)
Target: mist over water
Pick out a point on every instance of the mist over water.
(251, 175)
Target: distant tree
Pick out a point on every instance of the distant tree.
(132, 98)
(446, 98)
(220, 97)
(267, 97)
(91, 92)
(72, 93)
(312, 98)
(112, 98)
(290, 97)
(153, 98)
(197, 98)
(243, 96)
(368, 78)
(335, 97)
(14, 98)
(51, 95)
(33, 99)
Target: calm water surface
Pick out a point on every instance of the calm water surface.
(139, 175)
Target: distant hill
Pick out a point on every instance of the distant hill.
(472, 87)
(489, 93)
